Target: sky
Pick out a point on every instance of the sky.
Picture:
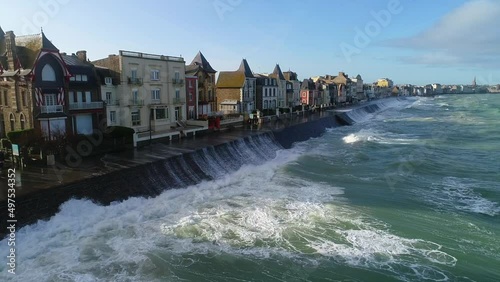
(409, 41)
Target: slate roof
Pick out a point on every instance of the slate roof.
(200, 60)
(245, 68)
(231, 79)
(103, 72)
(277, 73)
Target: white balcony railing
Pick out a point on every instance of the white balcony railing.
(86, 106)
(51, 109)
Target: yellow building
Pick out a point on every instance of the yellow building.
(385, 83)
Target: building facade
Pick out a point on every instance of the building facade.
(151, 94)
(34, 85)
(192, 97)
(236, 90)
(201, 68)
(85, 104)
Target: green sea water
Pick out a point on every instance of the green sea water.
(411, 193)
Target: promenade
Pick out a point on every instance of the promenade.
(33, 179)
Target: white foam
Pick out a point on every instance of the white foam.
(460, 194)
(374, 136)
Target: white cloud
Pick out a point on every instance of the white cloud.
(468, 35)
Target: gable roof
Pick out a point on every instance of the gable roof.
(200, 60)
(277, 73)
(245, 69)
(231, 79)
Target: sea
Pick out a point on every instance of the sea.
(409, 193)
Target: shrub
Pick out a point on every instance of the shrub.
(119, 131)
(21, 137)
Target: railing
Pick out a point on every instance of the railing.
(86, 106)
(112, 102)
(135, 80)
(51, 109)
(134, 102)
(155, 101)
(179, 101)
(150, 56)
(177, 81)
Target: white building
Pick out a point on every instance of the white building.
(148, 95)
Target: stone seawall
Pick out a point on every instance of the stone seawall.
(173, 172)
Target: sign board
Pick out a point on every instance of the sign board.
(15, 150)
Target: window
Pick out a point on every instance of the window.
(136, 118)
(50, 99)
(84, 77)
(135, 95)
(191, 112)
(161, 114)
(72, 78)
(112, 117)
(22, 121)
(265, 104)
(108, 98)
(274, 92)
(6, 98)
(12, 122)
(155, 94)
(177, 94)
(177, 76)
(24, 98)
(265, 93)
(108, 80)
(48, 73)
(133, 74)
(155, 75)
(190, 84)
(190, 97)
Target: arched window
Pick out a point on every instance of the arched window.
(22, 120)
(12, 122)
(48, 73)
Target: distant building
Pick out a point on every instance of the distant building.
(437, 88)
(280, 79)
(293, 94)
(384, 83)
(192, 105)
(343, 88)
(266, 92)
(236, 90)
(201, 68)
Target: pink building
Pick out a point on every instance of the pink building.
(192, 97)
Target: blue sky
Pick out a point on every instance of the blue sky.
(410, 41)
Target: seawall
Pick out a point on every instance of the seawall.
(174, 172)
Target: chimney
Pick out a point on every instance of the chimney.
(10, 47)
(82, 55)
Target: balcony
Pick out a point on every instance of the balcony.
(112, 102)
(51, 109)
(178, 81)
(136, 103)
(134, 81)
(179, 101)
(86, 106)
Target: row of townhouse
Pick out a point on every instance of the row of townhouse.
(61, 94)
(332, 90)
(242, 91)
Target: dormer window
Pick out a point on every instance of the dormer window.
(108, 80)
(48, 73)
